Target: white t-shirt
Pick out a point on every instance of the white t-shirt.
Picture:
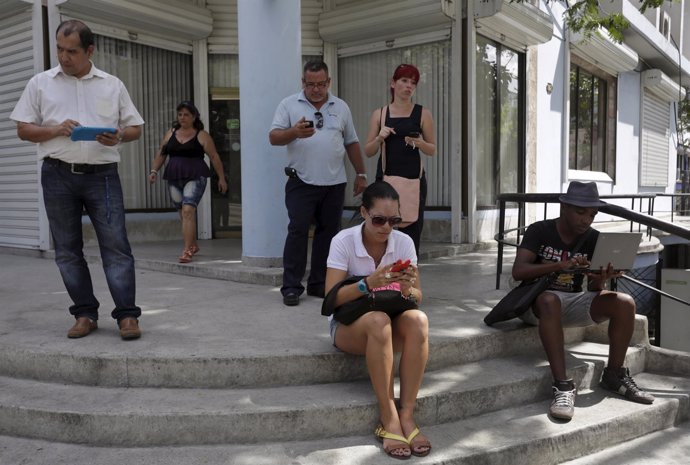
(347, 252)
(97, 99)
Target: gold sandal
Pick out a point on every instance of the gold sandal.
(382, 434)
(423, 443)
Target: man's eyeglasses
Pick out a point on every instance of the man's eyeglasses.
(315, 85)
(319, 119)
(378, 220)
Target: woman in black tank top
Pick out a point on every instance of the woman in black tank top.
(186, 143)
(408, 131)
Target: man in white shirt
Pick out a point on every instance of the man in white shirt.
(82, 175)
(318, 131)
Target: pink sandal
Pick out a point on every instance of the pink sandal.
(194, 249)
(186, 256)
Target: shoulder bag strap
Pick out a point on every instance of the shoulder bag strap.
(383, 142)
(582, 240)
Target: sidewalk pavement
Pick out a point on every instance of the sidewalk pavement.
(190, 316)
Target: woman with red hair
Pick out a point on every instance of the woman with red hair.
(403, 129)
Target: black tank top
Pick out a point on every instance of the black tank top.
(190, 149)
(402, 159)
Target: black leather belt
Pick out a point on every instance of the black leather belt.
(80, 168)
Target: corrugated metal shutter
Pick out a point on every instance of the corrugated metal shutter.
(654, 150)
(157, 80)
(19, 184)
(223, 39)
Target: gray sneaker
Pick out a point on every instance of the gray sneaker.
(622, 383)
(563, 404)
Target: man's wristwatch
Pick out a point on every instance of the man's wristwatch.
(362, 175)
(362, 286)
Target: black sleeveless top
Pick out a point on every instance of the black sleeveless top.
(186, 160)
(402, 159)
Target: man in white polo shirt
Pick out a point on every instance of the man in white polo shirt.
(82, 175)
(318, 131)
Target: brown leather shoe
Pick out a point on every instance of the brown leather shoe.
(82, 327)
(129, 328)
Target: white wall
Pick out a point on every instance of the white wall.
(628, 134)
(552, 60)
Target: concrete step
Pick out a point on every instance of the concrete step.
(221, 259)
(666, 447)
(160, 367)
(521, 434)
(162, 416)
(155, 361)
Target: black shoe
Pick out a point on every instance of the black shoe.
(622, 383)
(316, 291)
(291, 299)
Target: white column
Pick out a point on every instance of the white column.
(200, 66)
(270, 47)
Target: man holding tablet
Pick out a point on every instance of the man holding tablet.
(561, 246)
(81, 174)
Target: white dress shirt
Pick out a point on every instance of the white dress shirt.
(97, 99)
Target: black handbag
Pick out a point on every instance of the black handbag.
(391, 302)
(520, 299)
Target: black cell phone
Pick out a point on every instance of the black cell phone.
(414, 134)
(309, 123)
(290, 172)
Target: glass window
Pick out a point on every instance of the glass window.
(157, 80)
(591, 138)
(363, 82)
(500, 121)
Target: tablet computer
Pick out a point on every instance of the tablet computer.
(89, 132)
(617, 248)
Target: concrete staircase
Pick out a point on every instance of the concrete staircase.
(483, 400)
(226, 375)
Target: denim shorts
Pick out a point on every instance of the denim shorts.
(186, 192)
(575, 308)
(333, 326)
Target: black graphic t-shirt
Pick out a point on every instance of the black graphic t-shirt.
(543, 239)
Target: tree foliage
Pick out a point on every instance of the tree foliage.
(587, 16)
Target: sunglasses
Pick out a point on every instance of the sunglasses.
(319, 119)
(378, 220)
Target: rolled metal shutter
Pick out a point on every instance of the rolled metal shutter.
(19, 177)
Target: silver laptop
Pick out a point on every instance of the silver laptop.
(617, 248)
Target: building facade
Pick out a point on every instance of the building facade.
(521, 104)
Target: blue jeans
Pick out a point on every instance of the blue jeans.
(66, 195)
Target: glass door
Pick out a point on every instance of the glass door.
(224, 127)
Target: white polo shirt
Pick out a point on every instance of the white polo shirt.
(97, 99)
(348, 253)
(319, 159)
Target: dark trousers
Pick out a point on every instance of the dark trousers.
(323, 205)
(66, 195)
(415, 229)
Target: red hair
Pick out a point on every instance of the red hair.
(405, 71)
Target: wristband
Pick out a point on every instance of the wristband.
(153, 171)
(362, 175)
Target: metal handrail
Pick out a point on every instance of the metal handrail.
(682, 195)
